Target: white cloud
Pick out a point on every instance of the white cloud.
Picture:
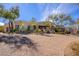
(61, 8)
(50, 10)
(1, 24)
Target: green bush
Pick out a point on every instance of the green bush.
(37, 31)
(61, 31)
(58, 30)
(67, 32)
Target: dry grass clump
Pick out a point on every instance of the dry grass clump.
(72, 49)
(75, 48)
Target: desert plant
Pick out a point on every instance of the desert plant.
(73, 48)
(38, 31)
(78, 32)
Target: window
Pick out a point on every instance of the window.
(17, 26)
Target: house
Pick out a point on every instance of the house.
(22, 26)
(73, 29)
(2, 27)
(17, 25)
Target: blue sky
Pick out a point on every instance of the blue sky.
(40, 11)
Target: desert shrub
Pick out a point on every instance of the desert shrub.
(59, 30)
(15, 30)
(37, 31)
(28, 30)
(67, 32)
(48, 31)
(1, 28)
(78, 32)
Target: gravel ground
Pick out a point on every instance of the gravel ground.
(47, 45)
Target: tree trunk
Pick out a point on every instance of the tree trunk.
(9, 27)
(12, 27)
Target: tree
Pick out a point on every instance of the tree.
(52, 18)
(11, 15)
(14, 14)
(60, 19)
(1, 10)
(47, 23)
(77, 23)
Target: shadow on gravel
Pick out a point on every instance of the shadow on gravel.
(18, 42)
